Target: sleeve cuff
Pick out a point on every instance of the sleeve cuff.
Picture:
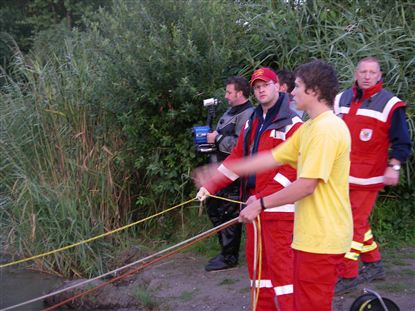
(218, 139)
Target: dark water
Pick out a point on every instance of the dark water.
(18, 285)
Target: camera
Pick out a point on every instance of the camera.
(199, 133)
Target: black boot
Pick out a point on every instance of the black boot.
(372, 271)
(221, 262)
(345, 285)
(219, 212)
(229, 240)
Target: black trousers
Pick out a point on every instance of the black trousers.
(219, 212)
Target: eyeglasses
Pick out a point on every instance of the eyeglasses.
(259, 87)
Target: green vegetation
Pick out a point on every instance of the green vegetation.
(95, 114)
(146, 298)
(186, 295)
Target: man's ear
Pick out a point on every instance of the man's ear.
(313, 92)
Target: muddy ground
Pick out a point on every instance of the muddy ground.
(180, 283)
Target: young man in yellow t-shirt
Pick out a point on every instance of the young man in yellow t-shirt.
(319, 151)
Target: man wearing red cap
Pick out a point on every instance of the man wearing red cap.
(271, 124)
(320, 150)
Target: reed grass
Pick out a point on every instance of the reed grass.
(57, 175)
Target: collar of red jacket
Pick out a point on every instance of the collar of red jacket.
(364, 94)
(280, 111)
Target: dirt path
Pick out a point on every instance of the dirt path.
(181, 283)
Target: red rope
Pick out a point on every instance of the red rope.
(122, 276)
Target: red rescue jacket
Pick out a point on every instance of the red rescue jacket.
(368, 115)
(280, 123)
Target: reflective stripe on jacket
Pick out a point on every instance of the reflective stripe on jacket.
(367, 114)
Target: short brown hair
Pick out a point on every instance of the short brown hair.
(240, 84)
(287, 77)
(321, 78)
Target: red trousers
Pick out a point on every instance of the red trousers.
(315, 277)
(276, 283)
(363, 245)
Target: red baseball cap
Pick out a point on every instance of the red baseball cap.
(265, 74)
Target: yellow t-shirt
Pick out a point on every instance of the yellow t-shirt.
(320, 149)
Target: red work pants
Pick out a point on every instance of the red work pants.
(363, 245)
(315, 277)
(276, 283)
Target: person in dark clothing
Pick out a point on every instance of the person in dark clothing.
(225, 137)
(287, 83)
(287, 80)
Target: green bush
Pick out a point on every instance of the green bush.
(96, 126)
(393, 221)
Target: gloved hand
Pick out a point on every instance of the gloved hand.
(202, 194)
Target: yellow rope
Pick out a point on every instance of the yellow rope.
(255, 297)
(95, 237)
(143, 220)
(259, 253)
(226, 199)
(259, 259)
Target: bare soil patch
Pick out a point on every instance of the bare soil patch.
(181, 283)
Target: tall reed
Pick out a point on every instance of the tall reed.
(59, 180)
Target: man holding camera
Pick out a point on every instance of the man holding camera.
(225, 137)
(271, 124)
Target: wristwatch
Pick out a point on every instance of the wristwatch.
(395, 167)
(261, 201)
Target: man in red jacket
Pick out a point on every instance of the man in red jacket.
(376, 121)
(271, 124)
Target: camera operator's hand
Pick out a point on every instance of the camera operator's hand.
(202, 194)
(211, 137)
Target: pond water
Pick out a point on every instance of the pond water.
(19, 285)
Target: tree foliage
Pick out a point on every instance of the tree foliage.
(21, 20)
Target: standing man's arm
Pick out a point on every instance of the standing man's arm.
(296, 191)
(210, 177)
(400, 146)
(313, 170)
(233, 169)
(265, 160)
